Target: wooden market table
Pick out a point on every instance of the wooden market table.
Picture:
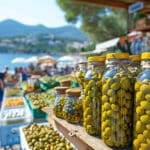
(76, 134)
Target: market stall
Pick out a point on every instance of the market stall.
(14, 113)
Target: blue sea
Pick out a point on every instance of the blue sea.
(6, 60)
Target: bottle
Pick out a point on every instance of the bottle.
(134, 66)
(117, 103)
(92, 95)
(60, 98)
(80, 73)
(73, 109)
(141, 139)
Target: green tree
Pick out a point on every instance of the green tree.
(100, 23)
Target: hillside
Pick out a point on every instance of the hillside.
(11, 28)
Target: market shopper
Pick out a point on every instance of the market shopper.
(140, 21)
(2, 76)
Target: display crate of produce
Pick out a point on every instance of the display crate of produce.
(11, 118)
(13, 92)
(27, 99)
(11, 102)
(47, 83)
(48, 97)
(14, 114)
(36, 111)
(43, 136)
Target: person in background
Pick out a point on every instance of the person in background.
(140, 21)
(2, 76)
(6, 70)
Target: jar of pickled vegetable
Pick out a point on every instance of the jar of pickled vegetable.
(73, 109)
(134, 66)
(65, 83)
(92, 95)
(117, 103)
(146, 43)
(60, 98)
(142, 106)
(80, 73)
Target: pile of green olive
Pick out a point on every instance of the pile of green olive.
(44, 137)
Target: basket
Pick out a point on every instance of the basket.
(37, 113)
(45, 86)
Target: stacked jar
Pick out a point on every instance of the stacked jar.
(73, 109)
(134, 66)
(80, 73)
(142, 106)
(117, 102)
(60, 98)
(92, 95)
(65, 83)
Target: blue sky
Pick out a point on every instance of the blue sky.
(33, 12)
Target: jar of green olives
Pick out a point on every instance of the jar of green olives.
(142, 106)
(117, 103)
(134, 66)
(80, 73)
(60, 98)
(73, 109)
(65, 83)
(92, 95)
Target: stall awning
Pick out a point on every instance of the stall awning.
(103, 46)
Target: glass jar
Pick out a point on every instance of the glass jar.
(73, 109)
(142, 106)
(134, 66)
(117, 103)
(80, 73)
(146, 43)
(66, 83)
(92, 95)
(60, 98)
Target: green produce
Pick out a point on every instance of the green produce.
(48, 82)
(44, 137)
(10, 92)
(39, 100)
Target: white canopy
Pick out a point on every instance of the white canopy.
(103, 46)
(32, 59)
(67, 60)
(18, 60)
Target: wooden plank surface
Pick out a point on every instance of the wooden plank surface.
(76, 134)
(104, 2)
